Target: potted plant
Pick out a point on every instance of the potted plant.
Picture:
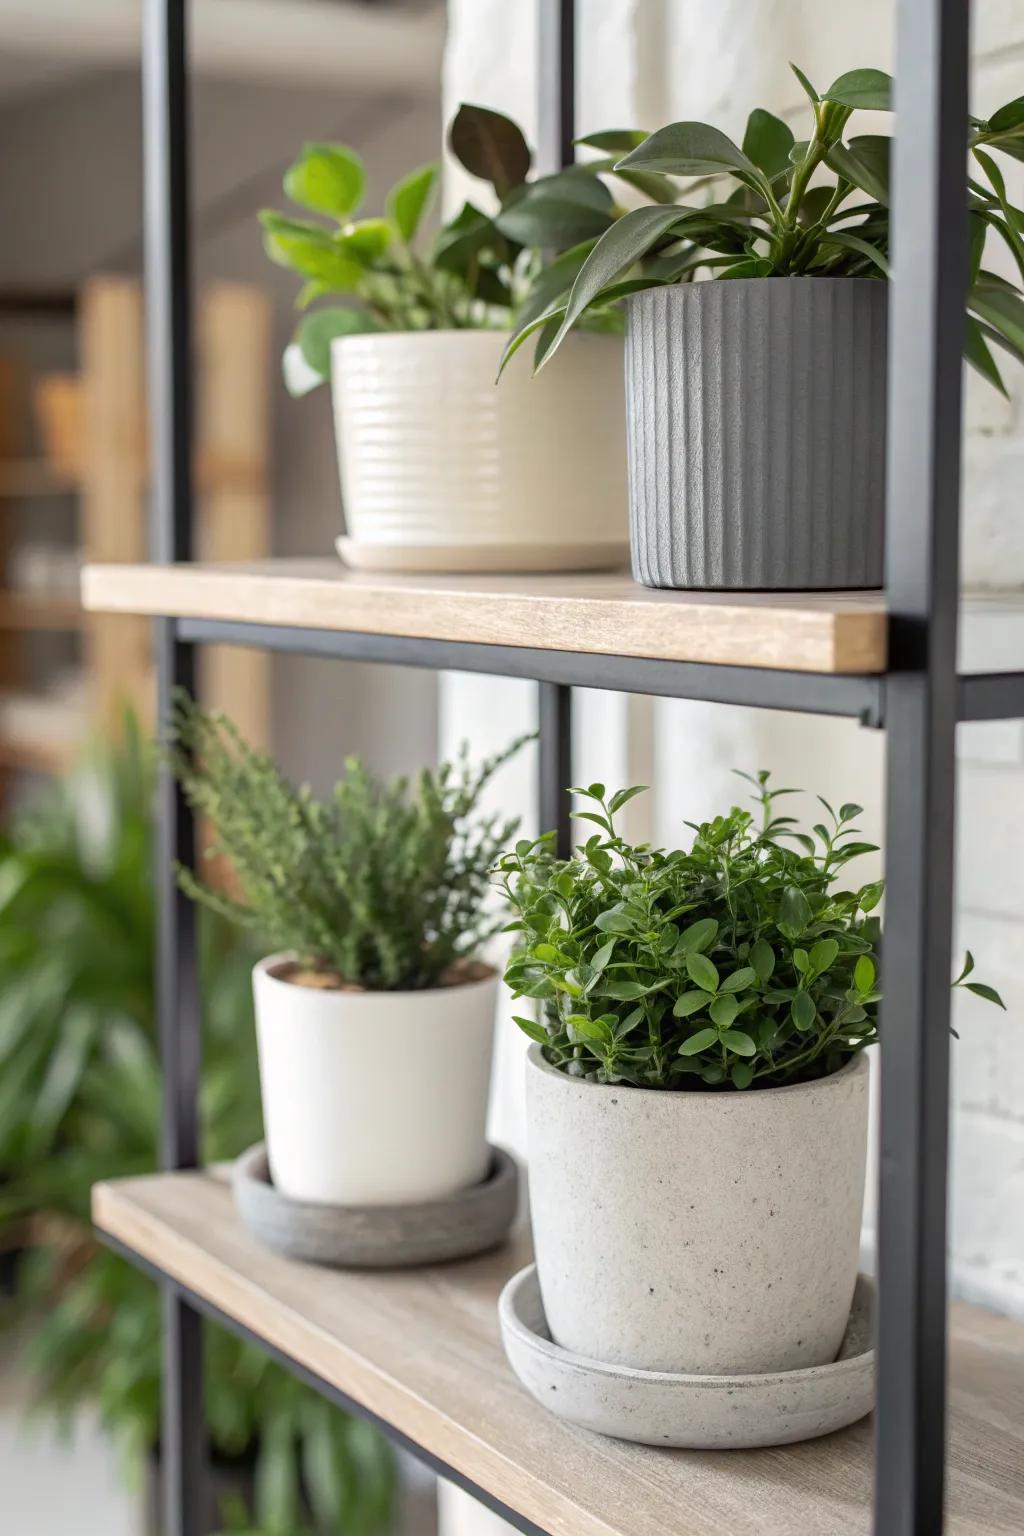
(80, 1090)
(756, 409)
(697, 1091)
(375, 1013)
(439, 471)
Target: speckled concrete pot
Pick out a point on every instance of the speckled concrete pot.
(756, 433)
(707, 1233)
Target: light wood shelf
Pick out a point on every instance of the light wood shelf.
(32, 477)
(23, 610)
(602, 614)
(421, 1349)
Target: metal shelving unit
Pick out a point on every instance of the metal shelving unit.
(916, 695)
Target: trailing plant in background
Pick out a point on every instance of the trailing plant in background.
(737, 962)
(472, 274)
(776, 206)
(384, 884)
(80, 1101)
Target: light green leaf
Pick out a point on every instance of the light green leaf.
(689, 1003)
(739, 1042)
(409, 199)
(696, 938)
(309, 250)
(762, 958)
(699, 1042)
(823, 955)
(612, 140)
(320, 327)
(740, 980)
(864, 974)
(326, 178)
(723, 1010)
(803, 1012)
(702, 972)
(531, 1028)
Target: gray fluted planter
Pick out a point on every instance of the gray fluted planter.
(756, 433)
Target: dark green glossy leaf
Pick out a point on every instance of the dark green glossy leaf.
(979, 355)
(767, 142)
(689, 149)
(811, 93)
(867, 89)
(988, 993)
(489, 145)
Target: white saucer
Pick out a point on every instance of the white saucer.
(698, 1412)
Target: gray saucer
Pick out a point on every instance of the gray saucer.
(706, 1413)
(376, 1236)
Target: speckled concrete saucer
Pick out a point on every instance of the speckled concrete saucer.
(707, 1413)
(377, 1236)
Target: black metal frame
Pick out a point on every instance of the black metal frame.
(919, 702)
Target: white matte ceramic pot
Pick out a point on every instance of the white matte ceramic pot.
(443, 469)
(373, 1098)
(708, 1233)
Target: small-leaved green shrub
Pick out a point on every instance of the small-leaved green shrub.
(384, 884)
(472, 274)
(737, 962)
(778, 206)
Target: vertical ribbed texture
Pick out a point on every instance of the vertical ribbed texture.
(756, 434)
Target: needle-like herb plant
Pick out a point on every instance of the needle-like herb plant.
(778, 206)
(739, 962)
(383, 886)
(473, 273)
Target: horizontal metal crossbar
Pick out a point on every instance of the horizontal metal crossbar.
(816, 693)
(325, 1388)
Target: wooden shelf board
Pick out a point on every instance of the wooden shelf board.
(603, 614)
(32, 477)
(23, 610)
(421, 1349)
(29, 755)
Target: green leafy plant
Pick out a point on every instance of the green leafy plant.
(472, 274)
(384, 884)
(80, 1101)
(776, 206)
(737, 962)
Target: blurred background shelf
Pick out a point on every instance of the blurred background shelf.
(74, 486)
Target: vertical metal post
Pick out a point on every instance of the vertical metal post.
(554, 767)
(556, 129)
(926, 339)
(169, 341)
(556, 83)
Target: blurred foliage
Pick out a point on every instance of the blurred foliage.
(80, 1100)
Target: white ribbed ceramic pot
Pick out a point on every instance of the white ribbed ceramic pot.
(373, 1098)
(443, 469)
(707, 1233)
